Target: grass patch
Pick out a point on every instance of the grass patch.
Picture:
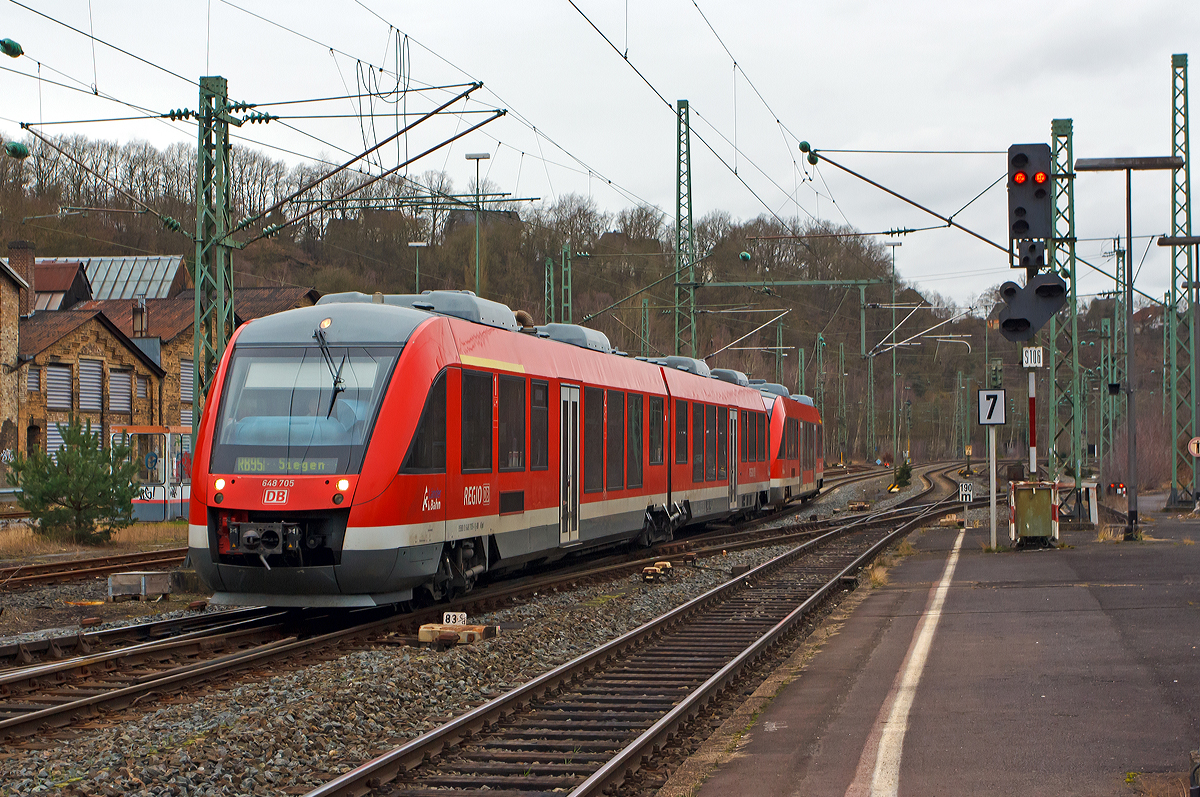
(19, 540)
(1188, 541)
(997, 548)
(877, 575)
(1110, 532)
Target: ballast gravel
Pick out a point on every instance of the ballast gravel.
(288, 733)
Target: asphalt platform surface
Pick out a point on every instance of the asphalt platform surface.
(1053, 672)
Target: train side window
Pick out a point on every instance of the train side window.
(511, 405)
(615, 477)
(593, 440)
(633, 443)
(710, 442)
(762, 437)
(722, 443)
(539, 425)
(656, 430)
(476, 422)
(697, 442)
(427, 452)
(681, 432)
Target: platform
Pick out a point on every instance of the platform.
(1057, 672)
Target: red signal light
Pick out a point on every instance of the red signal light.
(1039, 177)
(1020, 177)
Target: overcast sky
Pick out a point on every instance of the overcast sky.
(863, 75)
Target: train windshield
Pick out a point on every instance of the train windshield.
(289, 412)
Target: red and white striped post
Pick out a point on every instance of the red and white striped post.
(1032, 425)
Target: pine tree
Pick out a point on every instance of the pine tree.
(81, 494)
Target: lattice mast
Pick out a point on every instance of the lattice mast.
(213, 267)
(1182, 299)
(1066, 432)
(685, 242)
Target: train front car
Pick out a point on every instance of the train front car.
(284, 508)
(797, 445)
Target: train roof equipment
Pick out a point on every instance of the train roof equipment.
(731, 376)
(458, 304)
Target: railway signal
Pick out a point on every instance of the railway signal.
(1029, 194)
(1029, 308)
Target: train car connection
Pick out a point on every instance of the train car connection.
(382, 449)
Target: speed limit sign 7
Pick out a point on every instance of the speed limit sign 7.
(991, 408)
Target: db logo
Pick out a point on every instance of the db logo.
(275, 496)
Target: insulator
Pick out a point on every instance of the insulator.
(171, 224)
(11, 48)
(15, 149)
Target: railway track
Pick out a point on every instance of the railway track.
(591, 724)
(74, 569)
(168, 656)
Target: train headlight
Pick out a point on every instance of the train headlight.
(338, 498)
(219, 497)
(343, 484)
(219, 484)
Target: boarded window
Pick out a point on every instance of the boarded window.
(697, 442)
(58, 389)
(186, 382)
(91, 385)
(681, 432)
(33, 380)
(722, 442)
(539, 425)
(120, 391)
(633, 443)
(656, 430)
(427, 453)
(511, 405)
(593, 439)
(710, 443)
(54, 440)
(476, 422)
(143, 387)
(615, 477)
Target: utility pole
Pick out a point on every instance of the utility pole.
(841, 429)
(685, 242)
(645, 327)
(213, 322)
(567, 316)
(1181, 306)
(477, 157)
(895, 403)
(549, 289)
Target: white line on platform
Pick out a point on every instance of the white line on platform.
(880, 761)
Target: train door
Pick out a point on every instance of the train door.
(733, 459)
(568, 515)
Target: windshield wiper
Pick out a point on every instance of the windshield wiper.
(338, 384)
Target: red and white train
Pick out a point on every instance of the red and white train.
(380, 449)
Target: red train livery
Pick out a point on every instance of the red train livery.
(382, 449)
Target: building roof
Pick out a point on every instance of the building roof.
(58, 282)
(251, 303)
(56, 275)
(165, 318)
(157, 277)
(40, 331)
(169, 318)
(7, 271)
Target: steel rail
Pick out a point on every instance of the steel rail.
(407, 756)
